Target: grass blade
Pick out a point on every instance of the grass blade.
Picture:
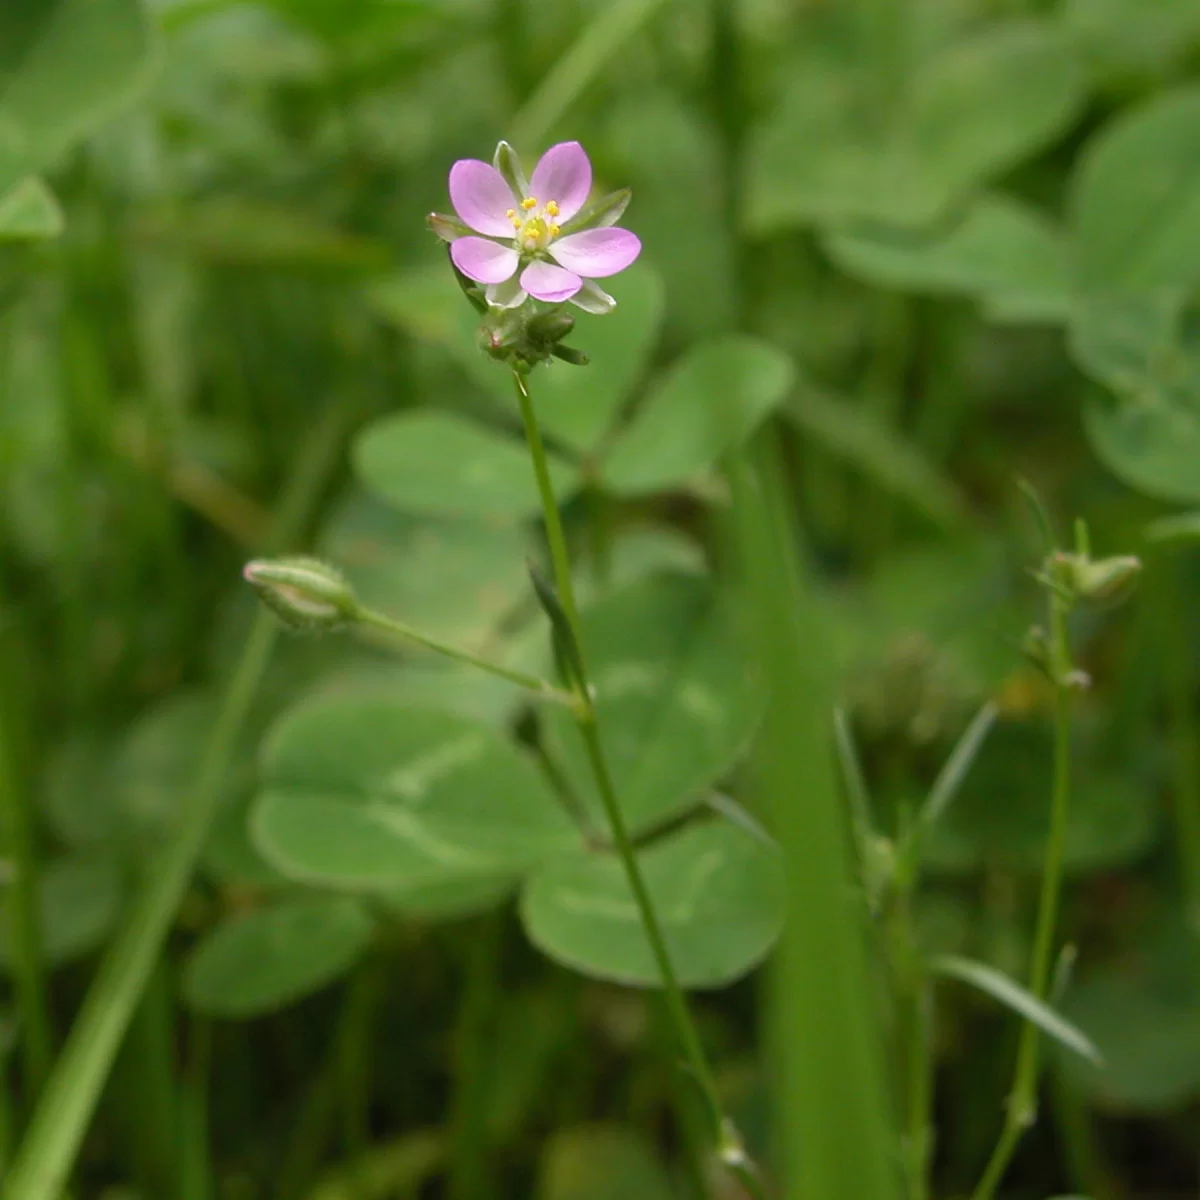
(1022, 1001)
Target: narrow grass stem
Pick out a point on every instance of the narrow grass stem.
(1022, 1101)
(398, 629)
(29, 980)
(65, 1107)
(585, 713)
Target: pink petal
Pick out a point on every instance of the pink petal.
(563, 174)
(595, 253)
(484, 261)
(547, 282)
(481, 197)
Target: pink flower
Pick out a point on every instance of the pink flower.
(524, 250)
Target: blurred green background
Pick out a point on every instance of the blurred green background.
(933, 246)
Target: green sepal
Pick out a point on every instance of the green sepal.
(508, 163)
(608, 210)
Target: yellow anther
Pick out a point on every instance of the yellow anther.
(528, 203)
(552, 208)
(512, 212)
(554, 231)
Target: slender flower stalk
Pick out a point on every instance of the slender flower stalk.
(730, 1148)
(1068, 579)
(541, 687)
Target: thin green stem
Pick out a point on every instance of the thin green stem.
(1022, 1101)
(585, 713)
(914, 1000)
(559, 555)
(399, 629)
(25, 941)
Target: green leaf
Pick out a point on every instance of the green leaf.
(1143, 1011)
(719, 894)
(454, 580)
(1146, 347)
(65, 66)
(30, 210)
(368, 792)
(79, 900)
(601, 1162)
(1022, 1001)
(451, 898)
(854, 434)
(711, 401)
(1000, 252)
(963, 115)
(1135, 200)
(1130, 41)
(440, 464)
(265, 960)
(675, 701)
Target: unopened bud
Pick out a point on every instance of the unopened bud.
(306, 594)
(1108, 580)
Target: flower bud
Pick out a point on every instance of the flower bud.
(449, 229)
(549, 328)
(306, 594)
(509, 165)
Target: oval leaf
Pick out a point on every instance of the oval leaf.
(675, 700)
(1001, 252)
(1135, 205)
(263, 961)
(442, 465)
(718, 891)
(367, 792)
(79, 900)
(710, 402)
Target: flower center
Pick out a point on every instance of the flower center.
(534, 224)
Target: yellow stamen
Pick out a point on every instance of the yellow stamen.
(552, 208)
(512, 212)
(554, 231)
(528, 203)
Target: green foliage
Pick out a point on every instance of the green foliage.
(64, 66)
(936, 128)
(29, 210)
(924, 248)
(262, 961)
